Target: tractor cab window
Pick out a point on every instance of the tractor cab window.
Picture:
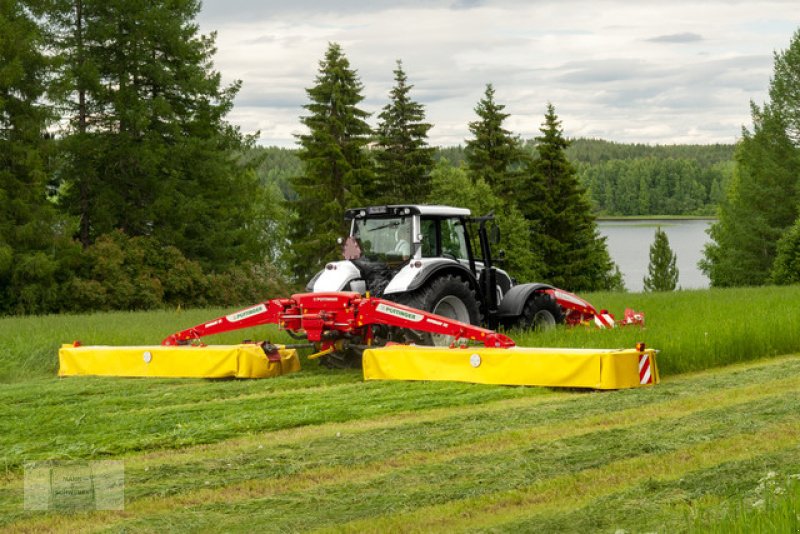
(454, 242)
(428, 228)
(384, 239)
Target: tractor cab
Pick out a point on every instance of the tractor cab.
(392, 233)
(399, 250)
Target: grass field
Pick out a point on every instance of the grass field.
(714, 445)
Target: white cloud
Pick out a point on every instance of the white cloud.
(655, 72)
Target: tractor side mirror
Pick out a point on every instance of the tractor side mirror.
(494, 234)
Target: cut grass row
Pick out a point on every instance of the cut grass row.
(642, 460)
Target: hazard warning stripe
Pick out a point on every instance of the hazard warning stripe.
(604, 320)
(644, 370)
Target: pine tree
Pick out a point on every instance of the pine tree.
(563, 230)
(148, 150)
(762, 198)
(493, 153)
(32, 236)
(337, 167)
(662, 272)
(404, 159)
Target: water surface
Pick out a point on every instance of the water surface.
(629, 245)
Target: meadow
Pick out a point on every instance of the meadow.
(716, 443)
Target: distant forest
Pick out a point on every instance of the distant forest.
(620, 178)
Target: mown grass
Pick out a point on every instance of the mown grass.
(639, 460)
(322, 449)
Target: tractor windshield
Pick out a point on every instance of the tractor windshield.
(384, 239)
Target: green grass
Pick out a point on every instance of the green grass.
(322, 449)
(774, 507)
(694, 330)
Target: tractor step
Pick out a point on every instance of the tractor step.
(518, 366)
(209, 361)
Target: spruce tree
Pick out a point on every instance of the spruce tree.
(404, 159)
(337, 167)
(762, 199)
(563, 229)
(662, 272)
(32, 236)
(493, 153)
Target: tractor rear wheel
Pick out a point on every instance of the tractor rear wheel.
(448, 296)
(541, 312)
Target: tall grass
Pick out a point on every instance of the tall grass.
(29, 345)
(777, 511)
(693, 330)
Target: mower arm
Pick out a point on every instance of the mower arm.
(328, 317)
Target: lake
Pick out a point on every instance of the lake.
(629, 245)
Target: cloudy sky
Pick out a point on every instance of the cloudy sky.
(667, 71)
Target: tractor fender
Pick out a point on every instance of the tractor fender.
(334, 277)
(418, 272)
(514, 301)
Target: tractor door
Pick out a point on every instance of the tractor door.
(445, 238)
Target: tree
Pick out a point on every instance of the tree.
(32, 236)
(786, 268)
(563, 229)
(404, 159)
(337, 167)
(493, 154)
(662, 272)
(784, 91)
(762, 198)
(148, 150)
(760, 205)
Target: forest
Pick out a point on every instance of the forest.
(124, 186)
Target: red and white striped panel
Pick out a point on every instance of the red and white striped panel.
(604, 320)
(645, 376)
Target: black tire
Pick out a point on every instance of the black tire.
(541, 312)
(447, 295)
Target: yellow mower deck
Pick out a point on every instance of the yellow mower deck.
(518, 366)
(211, 361)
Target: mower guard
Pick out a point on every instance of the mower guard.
(517, 366)
(247, 360)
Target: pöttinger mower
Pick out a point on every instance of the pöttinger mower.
(355, 325)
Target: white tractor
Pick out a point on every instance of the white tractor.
(437, 259)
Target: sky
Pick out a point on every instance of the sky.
(643, 71)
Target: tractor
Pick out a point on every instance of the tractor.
(437, 259)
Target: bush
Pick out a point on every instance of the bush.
(119, 272)
(786, 268)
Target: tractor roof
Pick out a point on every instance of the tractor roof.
(406, 209)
